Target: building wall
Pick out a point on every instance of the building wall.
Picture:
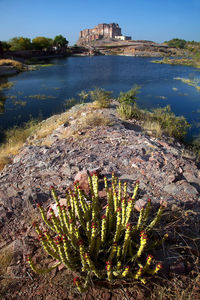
(101, 31)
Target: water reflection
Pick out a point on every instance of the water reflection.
(45, 90)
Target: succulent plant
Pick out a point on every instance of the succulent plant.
(96, 240)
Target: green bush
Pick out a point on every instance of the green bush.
(100, 97)
(125, 111)
(129, 97)
(97, 239)
(171, 124)
(177, 43)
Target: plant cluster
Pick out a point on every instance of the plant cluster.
(127, 108)
(129, 97)
(171, 124)
(177, 43)
(161, 119)
(100, 97)
(104, 240)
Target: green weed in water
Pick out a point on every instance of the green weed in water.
(192, 82)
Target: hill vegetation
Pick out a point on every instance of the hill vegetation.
(38, 43)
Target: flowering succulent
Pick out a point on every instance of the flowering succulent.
(86, 236)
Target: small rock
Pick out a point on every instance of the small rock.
(178, 268)
(140, 204)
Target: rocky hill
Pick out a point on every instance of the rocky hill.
(87, 139)
(131, 48)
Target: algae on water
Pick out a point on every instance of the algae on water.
(192, 82)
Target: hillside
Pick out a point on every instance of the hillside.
(132, 48)
(90, 139)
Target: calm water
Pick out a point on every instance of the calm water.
(68, 77)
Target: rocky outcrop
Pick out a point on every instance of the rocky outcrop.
(134, 48)
(121, 147)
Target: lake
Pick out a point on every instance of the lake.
(43, 92)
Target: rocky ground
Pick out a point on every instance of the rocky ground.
(121, 147)
(132, 48)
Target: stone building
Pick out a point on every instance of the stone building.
(102, 31)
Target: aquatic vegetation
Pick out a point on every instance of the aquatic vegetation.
(191, 62)
(183, 94)
(12, 96)
(162, 97)
(192, 82)
(110, 241)
(45, 65)
(175, 89)
(2, 104)
(22, 103)
(6, 85)
(20, 93)
(41, 97)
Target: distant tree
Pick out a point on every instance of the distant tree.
(41, 42)
(1, 48)
(20, 43)
(177, 43)
(5, 45)
(60, 41)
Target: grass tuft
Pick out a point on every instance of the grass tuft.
(10, 62)
(14, 140)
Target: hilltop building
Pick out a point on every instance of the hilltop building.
(102, 31)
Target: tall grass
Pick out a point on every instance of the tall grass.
(10, 62)
(14, 140)
(100, 97)
(159, 121)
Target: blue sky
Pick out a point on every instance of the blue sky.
(156, 20)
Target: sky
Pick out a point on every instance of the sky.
(155, 20)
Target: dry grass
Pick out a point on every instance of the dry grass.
(95, 119)
(11, 62)
(6, 256)
(154, 128)
(48, 126)
(33, 131)
(6, 85)
(14, 140)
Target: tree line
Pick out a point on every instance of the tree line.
(183, 44)
(38, 43)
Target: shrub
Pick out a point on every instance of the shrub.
(129, 97)
(83, 96)
(125, 111)
(177, 43)
(100, 97)
(103, 240)
(171, 124)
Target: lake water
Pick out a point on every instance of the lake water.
(42, 93)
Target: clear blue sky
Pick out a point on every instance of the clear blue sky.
(156, 20)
